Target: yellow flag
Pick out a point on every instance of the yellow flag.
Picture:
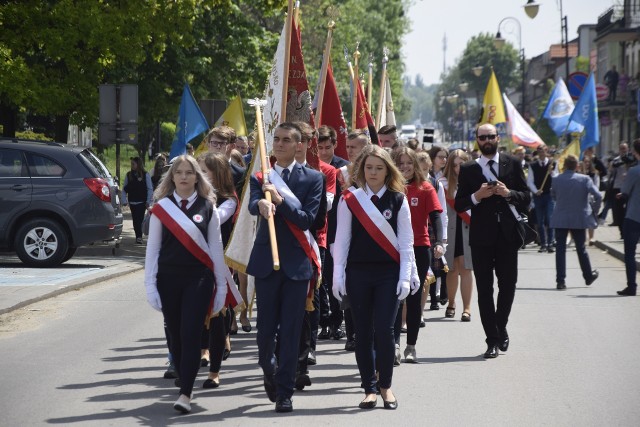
(233, 117)
(492, 106)
(573, 148)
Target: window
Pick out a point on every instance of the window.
(12, 164)
(40, 166)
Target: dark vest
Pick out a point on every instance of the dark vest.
(136, 188)
(363, 248)
(539, 172)
(173, 255)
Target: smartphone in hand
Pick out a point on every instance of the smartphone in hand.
(492, 183)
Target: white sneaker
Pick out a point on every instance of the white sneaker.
(183, 404)
(410, 354)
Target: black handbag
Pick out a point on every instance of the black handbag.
(525, 233)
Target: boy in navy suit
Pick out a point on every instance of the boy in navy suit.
(281, 294)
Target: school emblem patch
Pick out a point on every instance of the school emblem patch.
(387, 214)
(197, 218)
(414, 201)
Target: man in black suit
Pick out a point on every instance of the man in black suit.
(296, 192)
(487, 186)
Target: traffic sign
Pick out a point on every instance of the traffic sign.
(576, 83)
(602, 92)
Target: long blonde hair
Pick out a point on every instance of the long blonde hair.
(418, 175)
(394, 179)
(450, 173)
(203, 187)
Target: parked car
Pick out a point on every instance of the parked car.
(53, 199)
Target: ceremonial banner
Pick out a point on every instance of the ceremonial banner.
(191, 123)
(492, 107)
(521, 132)
(233, 117)
(332, 113)
(387, 116)
(559, 109)
(586, 114)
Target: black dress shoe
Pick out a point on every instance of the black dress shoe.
(209, 383)
(325, 333)
(627, 292)
(246, 328)
(284, 404)
(311, 359)
(492, 352)
(338, 334)
(302, 381)
(594, 276)
(204, 362)
(350, 345)
(550, 249)
(504, 344)
(368, 405)
(390, 405)
(561, 285)
(270, 386)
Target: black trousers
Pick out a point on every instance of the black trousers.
(137, 216)
(414, 302)
(503, 259)
(185, 301)
(214, 339)
(374, 305)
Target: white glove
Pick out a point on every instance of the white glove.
(220, 297)
(339, 288)
(415, 283)
(402, 289)
(153, 298)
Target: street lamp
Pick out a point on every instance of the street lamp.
(477, 70)
(499, 41)
(531, 9)
(463, 87)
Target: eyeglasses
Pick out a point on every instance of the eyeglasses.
(217, 143)
(490, 137)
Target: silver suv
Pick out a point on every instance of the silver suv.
(54, 198)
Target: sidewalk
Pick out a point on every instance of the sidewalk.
(21, 286)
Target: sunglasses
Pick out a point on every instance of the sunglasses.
(490, 137)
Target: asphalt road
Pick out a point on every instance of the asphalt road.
(96, 356)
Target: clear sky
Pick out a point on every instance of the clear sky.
(462, 19)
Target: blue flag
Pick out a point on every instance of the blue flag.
(586, 114)
(559, 109)
(191, 123)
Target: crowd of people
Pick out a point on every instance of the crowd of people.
(363, 243)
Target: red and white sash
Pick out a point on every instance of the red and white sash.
(305, 238)
(343, 176)
(465, 216)
(181, 226)
(374, 223)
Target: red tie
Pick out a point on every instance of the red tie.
(183, 205)
(375, 199)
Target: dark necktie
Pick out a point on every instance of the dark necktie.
(285, 176)
(493, 171)
(375, 199)
(183, 205)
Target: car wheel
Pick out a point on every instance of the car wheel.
(70, 252)
(41, 242)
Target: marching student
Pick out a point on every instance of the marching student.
(281, 293)
(373, 256)
(214, 340)
(425, 208)
(184, 254)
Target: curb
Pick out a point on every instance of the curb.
(613, 252)
(73, 287)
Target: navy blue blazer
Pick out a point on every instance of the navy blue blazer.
(306, 184)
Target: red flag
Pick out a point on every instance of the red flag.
(363, 115)
(298, 96)
(332, 113)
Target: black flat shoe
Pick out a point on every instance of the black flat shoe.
(209, 383)
(391, 405)
(204, 362)
(246, 328)
(594, 276)
(225, 354)
(368, 404)
(233, 332)
(627, 292)
(284, 405)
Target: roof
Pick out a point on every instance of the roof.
(557, 51)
